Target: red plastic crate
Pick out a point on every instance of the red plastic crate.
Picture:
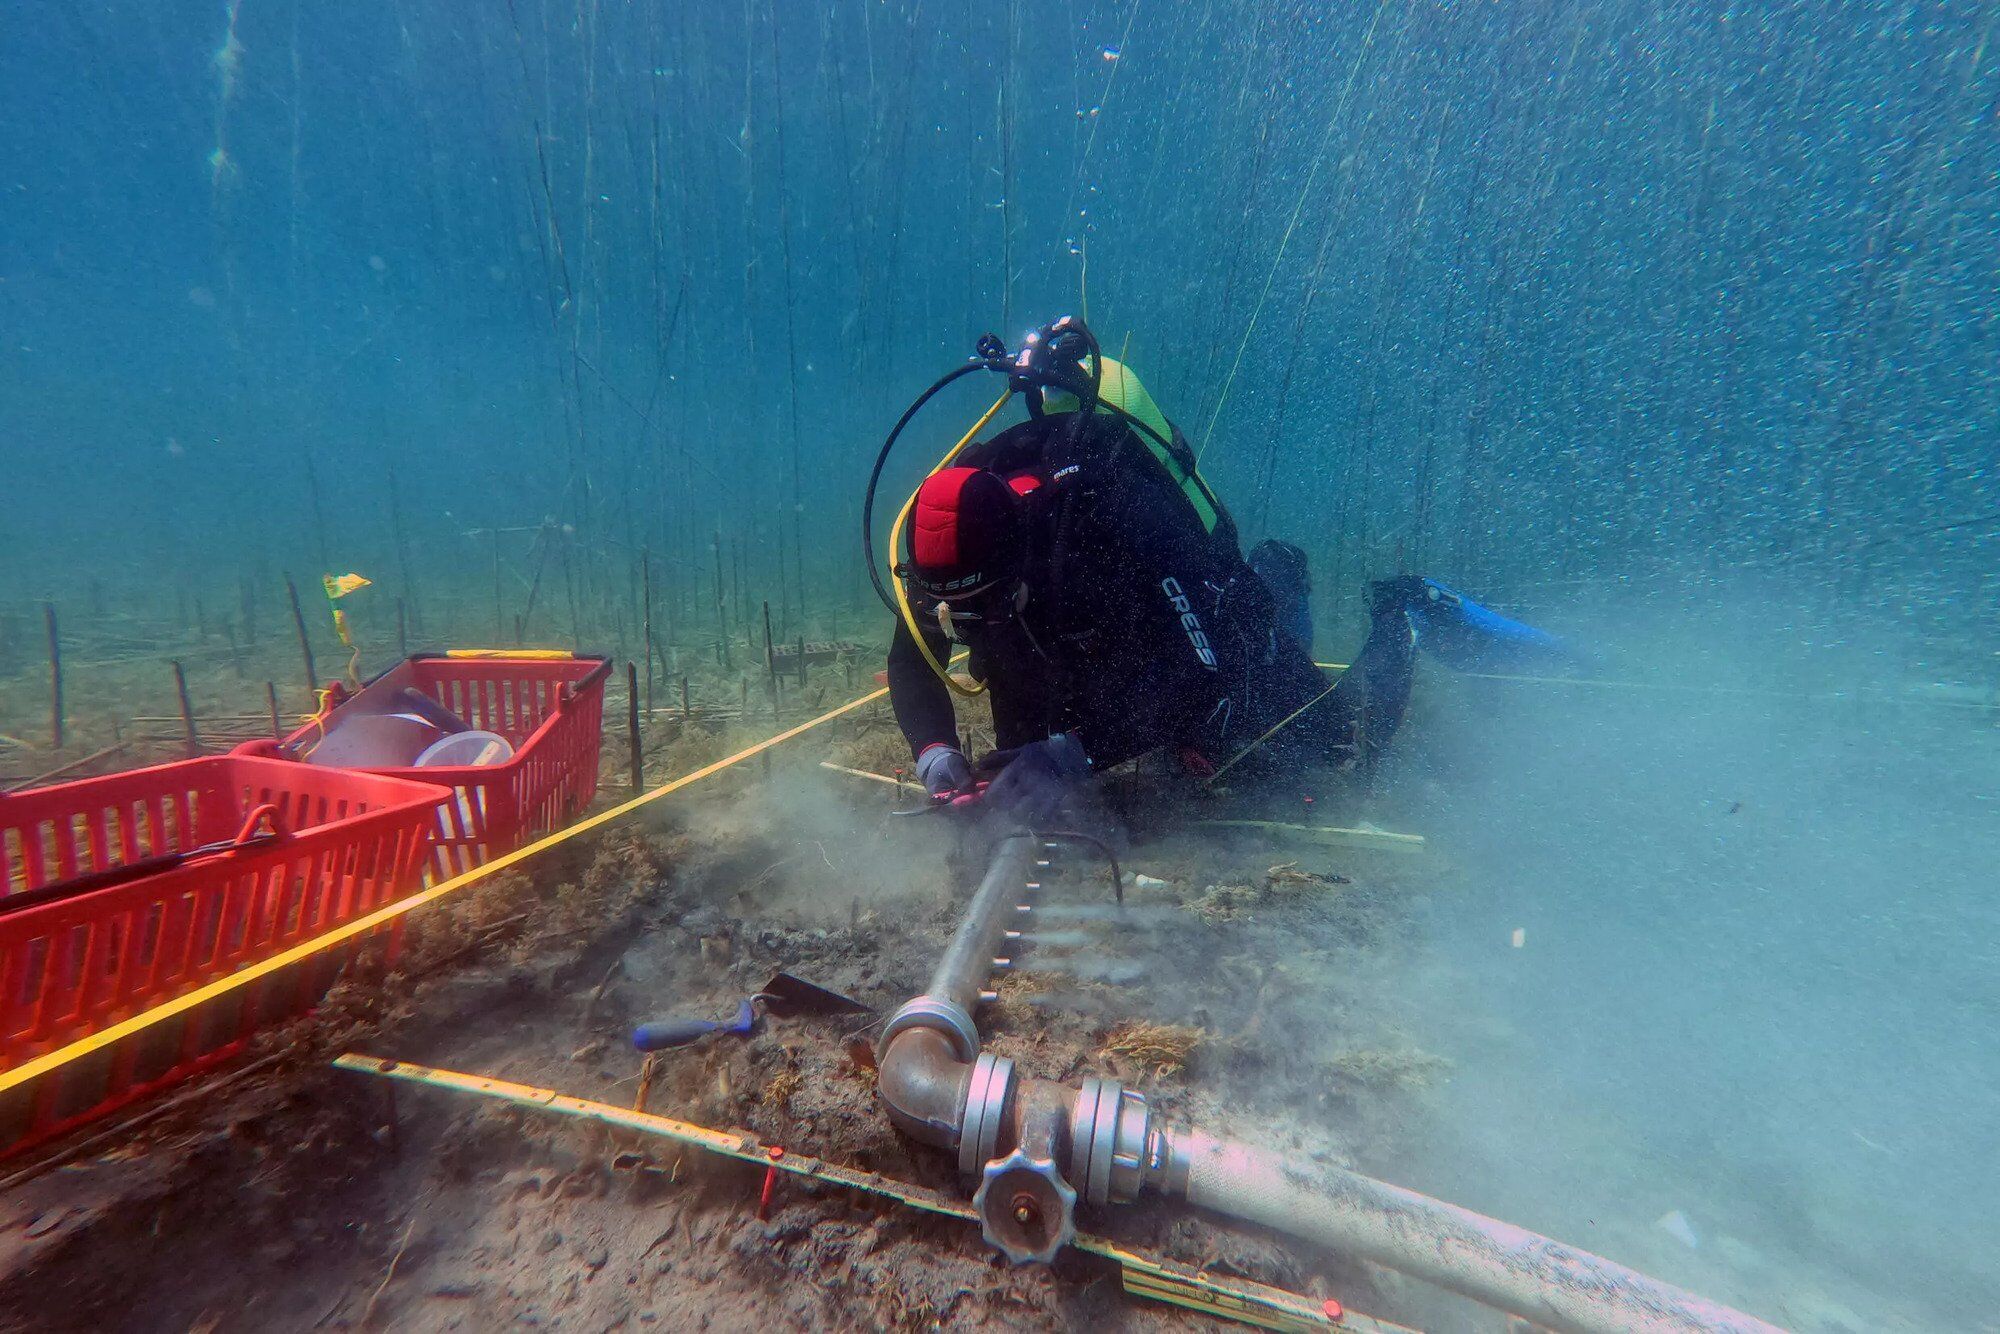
(550, 709)
(73, 964)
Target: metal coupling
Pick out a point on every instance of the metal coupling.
(940, 1014)
(1170, 1153)
(1113, 1143)
(987, 1093)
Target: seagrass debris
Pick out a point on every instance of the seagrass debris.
(1162, 1049)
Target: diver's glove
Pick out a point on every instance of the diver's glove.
(1461, 633)
(943, 770)
(1032, 780)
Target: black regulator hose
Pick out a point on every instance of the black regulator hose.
(1095, 400)
(882, 458)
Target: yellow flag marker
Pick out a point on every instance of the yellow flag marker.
(337, 587)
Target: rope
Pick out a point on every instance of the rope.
(1277, 727)
(1083, 165)
(317, 718)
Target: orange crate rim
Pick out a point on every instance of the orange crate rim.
(548, 704)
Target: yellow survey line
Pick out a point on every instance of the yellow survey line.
(873, 777)
(528, 1095)
(1746, 692)
(125, 1028)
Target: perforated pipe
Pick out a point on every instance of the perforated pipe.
(1010, 882)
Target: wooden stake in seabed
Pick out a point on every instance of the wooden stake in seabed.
(409, 592)
(770, 658)
(305, 643)
(632, 726)
(247, 608)
(646, 619)
(55, 677)
(721, 617)
(499, 618)
(187, 711)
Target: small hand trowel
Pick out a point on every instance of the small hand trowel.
(784, 995)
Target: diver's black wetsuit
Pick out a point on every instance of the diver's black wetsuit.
(1143, 627)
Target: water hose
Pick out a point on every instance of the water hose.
(882, 458)
(1555, 1286)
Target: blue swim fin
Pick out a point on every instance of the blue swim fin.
(1466, 636)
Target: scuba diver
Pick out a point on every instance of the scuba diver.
(1099, 589)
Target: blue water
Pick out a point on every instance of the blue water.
(1673, 325)
(1754, 984)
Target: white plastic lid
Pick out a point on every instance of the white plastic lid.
(466, 748)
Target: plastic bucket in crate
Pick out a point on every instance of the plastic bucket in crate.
(105, 913)
(548, 706)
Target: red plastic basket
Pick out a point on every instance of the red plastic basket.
(75, 963)
(550, 709)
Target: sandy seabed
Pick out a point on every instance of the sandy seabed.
(1236, 987)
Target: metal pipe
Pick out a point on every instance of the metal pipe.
(921, 1082)
(927, 1049)
(1496, 1263)
(961, 974)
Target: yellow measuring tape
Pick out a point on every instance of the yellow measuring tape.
(1325, 834)
(1144, 1274)
(125, 1028)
